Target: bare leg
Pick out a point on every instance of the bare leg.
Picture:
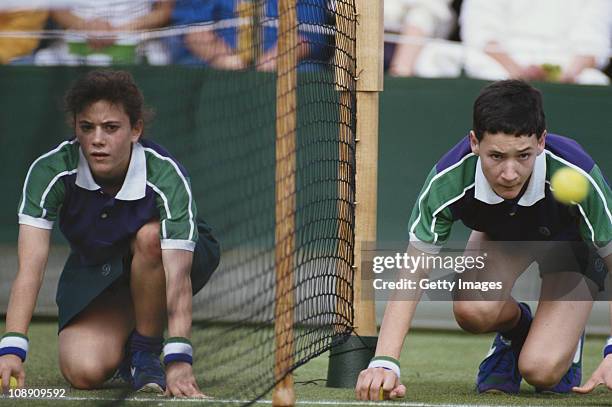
(148, 281)
(501, 312)
(90, 352)
(92, 346)
(555, 331)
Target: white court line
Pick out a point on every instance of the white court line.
(267, 402)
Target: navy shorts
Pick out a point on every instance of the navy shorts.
(80, 284)
(574, 256)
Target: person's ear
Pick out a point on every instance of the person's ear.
(137, 131)
(542, 142)
(474, 143)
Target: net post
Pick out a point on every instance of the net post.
(369, 85)
(286, 104)
(347, 360)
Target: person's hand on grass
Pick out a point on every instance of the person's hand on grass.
(371, 380)
(180, 381)
(11, 365)
(603, 375)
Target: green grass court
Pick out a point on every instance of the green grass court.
(439, 368)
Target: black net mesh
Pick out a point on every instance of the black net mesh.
(235, 154)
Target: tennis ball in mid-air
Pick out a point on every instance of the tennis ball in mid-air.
(569, 186)
(13, 383)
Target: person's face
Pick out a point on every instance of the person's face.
(106, 138)
(507, 161)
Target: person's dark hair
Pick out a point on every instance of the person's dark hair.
(116, 87)
(511, 107)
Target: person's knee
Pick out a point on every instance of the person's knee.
(542, 369)
(147, 243)
(476, 316)
(85, 373)
(87, 358)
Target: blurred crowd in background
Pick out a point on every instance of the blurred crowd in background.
(565, 41)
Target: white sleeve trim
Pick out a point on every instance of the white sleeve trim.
(40, 223)
(428, 248)
(176, 244)
(606, 250)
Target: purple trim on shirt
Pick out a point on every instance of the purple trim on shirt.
(455, 154)
(569, 150)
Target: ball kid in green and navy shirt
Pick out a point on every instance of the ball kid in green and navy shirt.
(496, 181)
(138, 250)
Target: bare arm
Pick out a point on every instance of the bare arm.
(578, 64)
(406, 54)
(213, 50)
(158, 17)
(71, 21)
(33, 251)
(394, 328)
(515, 70)
(267, 62)
(177, 266)
(180, 381)
(603, 373)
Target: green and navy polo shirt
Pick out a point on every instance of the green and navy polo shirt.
(456, 189)
(59, 184)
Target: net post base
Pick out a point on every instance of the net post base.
(348, 359)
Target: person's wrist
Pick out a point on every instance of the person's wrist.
(607, 349)
(14, 343)
(387, 363)
(178, 349)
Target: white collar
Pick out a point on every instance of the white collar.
(135, 183)
(534, 192)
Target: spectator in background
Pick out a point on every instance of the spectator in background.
(416, 21)
(213, 47)
(239, 45)
(112, 16)
(18, 50)
(536, 39)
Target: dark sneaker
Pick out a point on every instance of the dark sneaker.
(123, 371)
(573, 377)
(147, 373)
(499, 371)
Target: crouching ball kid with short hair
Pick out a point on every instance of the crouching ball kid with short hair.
(497, 181)
(138, 250)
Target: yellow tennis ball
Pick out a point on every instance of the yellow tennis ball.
(383, 394)
(569, 186)
(13, 383)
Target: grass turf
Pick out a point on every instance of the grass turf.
(438, 368)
